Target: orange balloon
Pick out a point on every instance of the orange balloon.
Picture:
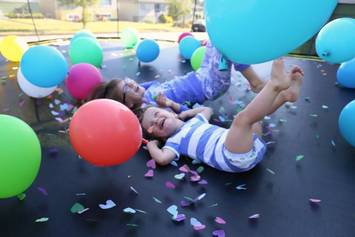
(105, 132)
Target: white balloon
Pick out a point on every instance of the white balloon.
(32, 90)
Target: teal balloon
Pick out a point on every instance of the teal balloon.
(256, 31)
(83, 33)
(347, 123)
(86, 50)
(20, 156)
(335, 42)
(346, 74)
(187, 46)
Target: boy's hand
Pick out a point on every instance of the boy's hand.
(153, 143)
(162, 101)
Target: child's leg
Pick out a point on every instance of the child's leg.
(255, 82)
(240, 135)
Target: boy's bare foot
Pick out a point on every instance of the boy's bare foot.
(279, 79)
(292, 93)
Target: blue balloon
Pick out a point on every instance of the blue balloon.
(187, 46)
(257, 31)
(44, 66)
(335, 43)
(347, 122)
(346, 74)
(147, 51)
(83, 33)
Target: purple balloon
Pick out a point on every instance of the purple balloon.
(82, 79)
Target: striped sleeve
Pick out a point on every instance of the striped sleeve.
(172, 146)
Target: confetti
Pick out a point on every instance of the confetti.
(179, 176)
(43, 191)
(271, 143)
(299, 157)
(141, 211)
(129, 210)
(76, 208)
(200, 169)
(179, 217)
(134, 190)
(184, 169)
(325, 107)
(213, 205)
(282, 120)
(109, 204)
(21, 196)
(219, 233)
(241, 187)
(196, 224)
(151, 164)
(253, 217)
(157, 200)
(170, 185)
(270, 171)
(203, 182)
(333, 143)
(172, 210)
(267, 117)
(220, 220)
(314, 200)
(199, 198)
(185, 203)
(149, 174)
(173, 163)
(314, 115)
(43, 219)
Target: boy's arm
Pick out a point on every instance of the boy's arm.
(205, 111)
(164, 102)
(147, 84)
(161, 156)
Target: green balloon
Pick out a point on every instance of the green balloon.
(20, 156)
(197, 57)
(129, 38)
(86, 50)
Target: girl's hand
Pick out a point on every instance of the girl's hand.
(161, 100)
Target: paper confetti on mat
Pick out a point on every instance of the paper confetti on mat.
(149, 174)
(151, 164)
(43, 191)
(299, 157)
(21, 196)
(219, 233)
(134, 190)
(184, 169)
(200, 169)
(220, 220)
(270, 171)
(170, 185)
(196, 224)
(325, 107)
(43, 219)
(77, 208)
(203, 182)
(314, 200)
(179, 176)
(241, 187)
(254, 216)
(141, 211)
(157, 200)
(129, 210)
(213, 205)
(333, 143)
(109, 204)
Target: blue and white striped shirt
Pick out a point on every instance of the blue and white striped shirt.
(202, 141)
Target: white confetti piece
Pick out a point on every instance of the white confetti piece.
(109, 204)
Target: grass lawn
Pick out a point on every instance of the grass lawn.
(51, 26)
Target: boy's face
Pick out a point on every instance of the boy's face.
(159, 122)
(131, 93)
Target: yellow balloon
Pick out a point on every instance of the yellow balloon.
(12, 48)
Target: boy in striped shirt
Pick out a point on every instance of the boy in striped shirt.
(236, 149)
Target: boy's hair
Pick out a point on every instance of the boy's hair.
(105, 90)
(140, 115)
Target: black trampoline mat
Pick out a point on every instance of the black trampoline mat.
(278, 189)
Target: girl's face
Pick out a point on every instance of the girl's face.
(159, 122)
(131, 93)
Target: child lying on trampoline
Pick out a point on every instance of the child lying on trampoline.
(236, 149)
(211, 81)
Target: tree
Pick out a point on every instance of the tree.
(84, 4)
(179, 8)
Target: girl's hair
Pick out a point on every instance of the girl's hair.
(105, 90)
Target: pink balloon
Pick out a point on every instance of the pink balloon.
(82, 79)
(183, 35)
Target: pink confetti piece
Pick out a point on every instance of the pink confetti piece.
(254, 217)
(219, 233)
(21, 103)
(43, 191)
(185, 203)
(149, 174)
(184, 169)
(195, 178)
(199, 227)
(203, 182)
(220, 220)
(170, 185)
(179, 217)
(151, 164)
(314, 200)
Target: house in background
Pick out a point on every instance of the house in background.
(18, 6)
(129, 10)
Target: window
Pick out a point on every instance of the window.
(106, 2)
(157, 7)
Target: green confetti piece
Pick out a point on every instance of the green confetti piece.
(189, 199)
(270, 171)
(21, 196)
(132, 225)
(299, 157)
(157, 200)
(179, 176)
(76, 208)
(43, 219)
(200, 169)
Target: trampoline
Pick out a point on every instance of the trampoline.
(306, 159)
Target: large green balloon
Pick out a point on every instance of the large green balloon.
(129, 38)
(86, 50)
(197, 57)
(20, 156)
